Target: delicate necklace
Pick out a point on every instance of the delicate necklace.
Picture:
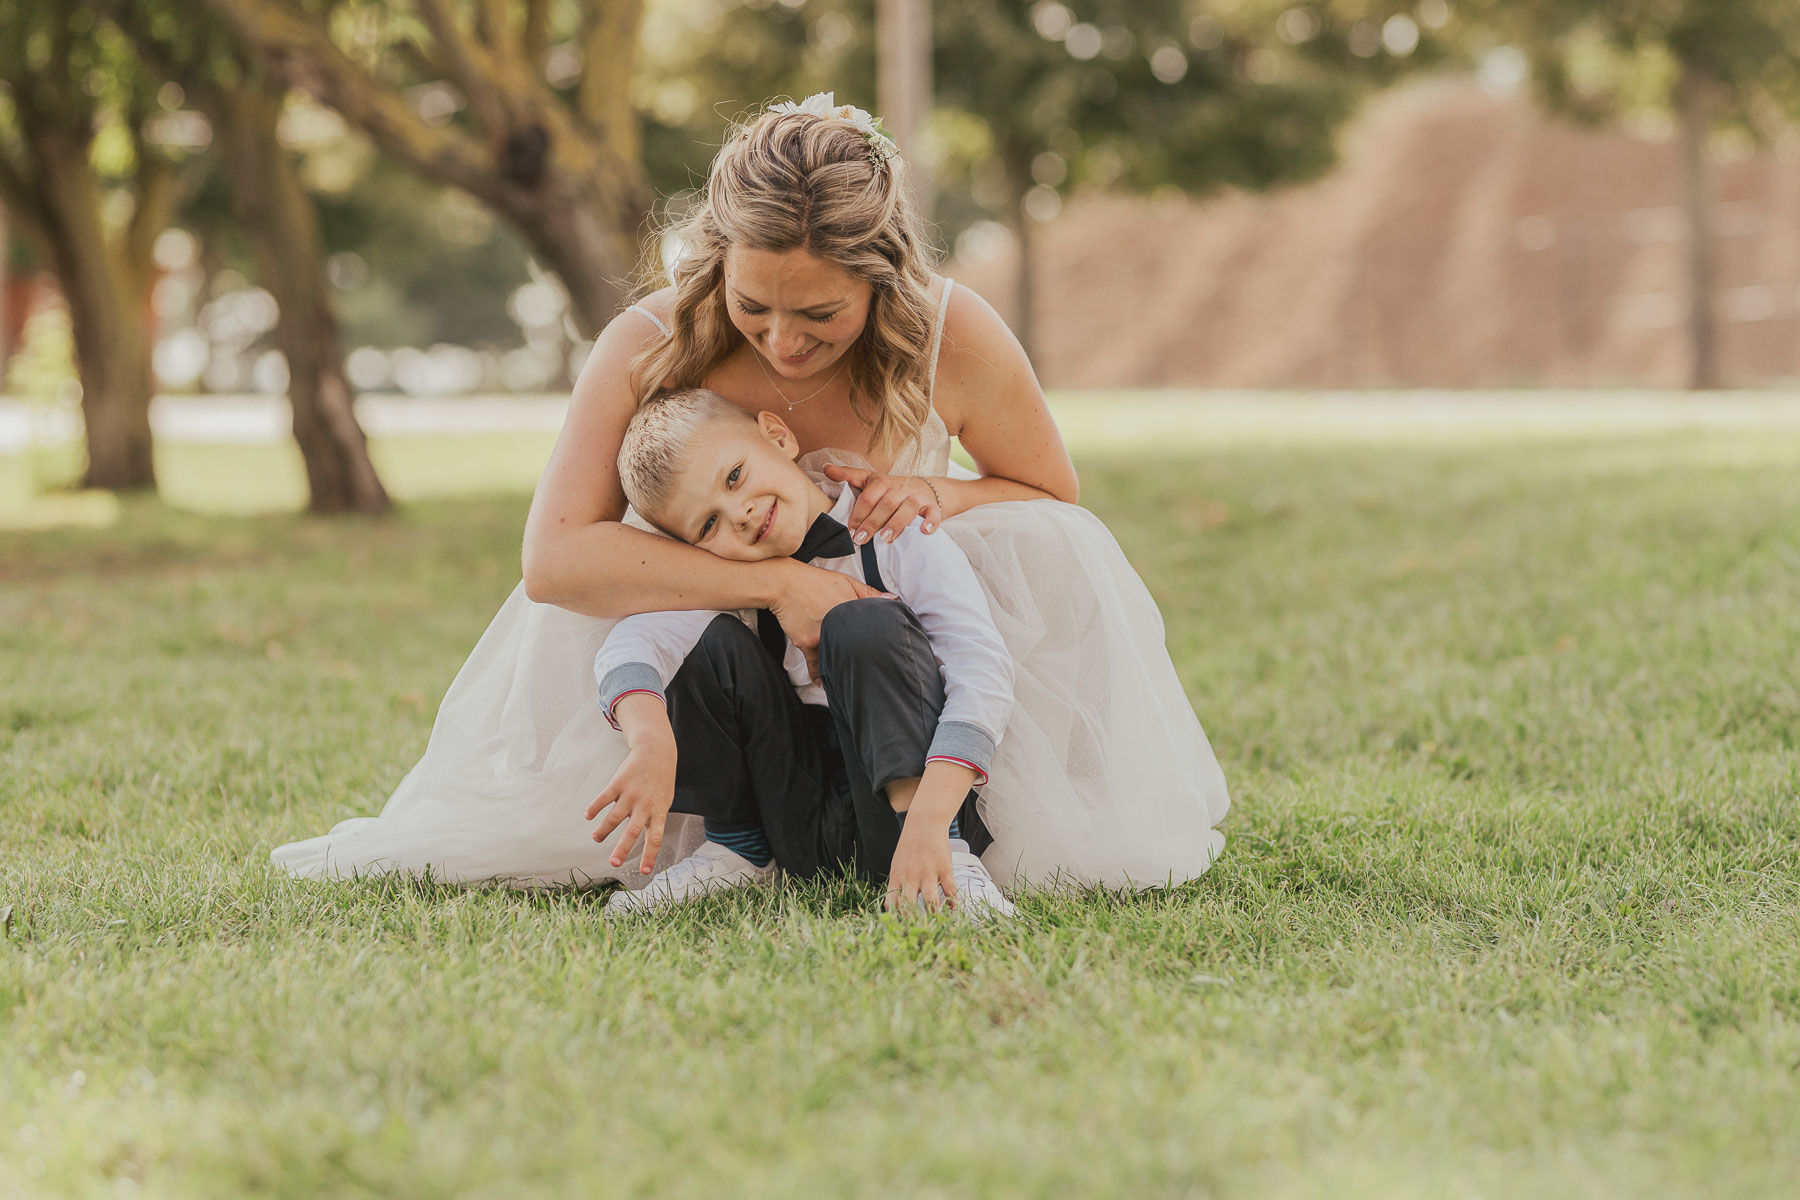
(831, 379)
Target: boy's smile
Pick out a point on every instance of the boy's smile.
(741, 495)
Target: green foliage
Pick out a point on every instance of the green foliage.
(67, 72)
(1508, 907)
(1128, 94)
(1160, 94)
(707, 63)
(439, 267)
(430, 264)
(1600, 60)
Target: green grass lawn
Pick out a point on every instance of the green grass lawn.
(1511, 905)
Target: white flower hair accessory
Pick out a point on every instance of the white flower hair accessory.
(825, 106)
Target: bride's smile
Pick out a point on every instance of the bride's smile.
(799, 312)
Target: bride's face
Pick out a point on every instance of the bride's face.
(801, 313)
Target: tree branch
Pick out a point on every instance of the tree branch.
(421, 60)
(157, 192)
(602, 98)
(493, 21)
(534, 41)
(305, 56)
(469, 63)
(160, 54)
(21, 197)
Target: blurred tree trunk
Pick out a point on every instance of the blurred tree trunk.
(105, 278)
(282, 227)
(903, 89)
(51, 57)
(1698, 100)
(1017, 162)
(561, 164)
(10, 317)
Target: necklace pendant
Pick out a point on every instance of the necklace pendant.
(789, 400)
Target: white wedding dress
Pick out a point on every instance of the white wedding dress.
(1104, 775)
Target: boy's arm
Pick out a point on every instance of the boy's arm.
(642, 654)
(934, 578)
(922, 858)
(633, 669)
(642, 790)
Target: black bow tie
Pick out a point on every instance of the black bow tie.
(826, 539)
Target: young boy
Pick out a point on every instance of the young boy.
(872, 762)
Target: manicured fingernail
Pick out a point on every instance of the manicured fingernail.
(889, 536)
(927, 527)
(861, 536)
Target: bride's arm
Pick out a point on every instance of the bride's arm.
(989, 397)
(578, 556)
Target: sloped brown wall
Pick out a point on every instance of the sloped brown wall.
(1466, 240)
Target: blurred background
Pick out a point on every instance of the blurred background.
(254, 220)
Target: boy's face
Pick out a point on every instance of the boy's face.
(741, 495)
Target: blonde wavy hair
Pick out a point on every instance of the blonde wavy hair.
(796, 181)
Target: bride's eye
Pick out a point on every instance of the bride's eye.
(750, 312)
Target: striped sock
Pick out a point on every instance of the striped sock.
(745, 843)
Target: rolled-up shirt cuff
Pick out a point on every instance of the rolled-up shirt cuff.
(622, 681)
(961, 742)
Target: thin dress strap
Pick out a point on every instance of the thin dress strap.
(937, 335)
(657, 321)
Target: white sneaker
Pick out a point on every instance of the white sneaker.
(978, 897)
(711, 868)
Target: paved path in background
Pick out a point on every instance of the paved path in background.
(265, 418)
(1090, 415)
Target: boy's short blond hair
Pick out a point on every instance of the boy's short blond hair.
(656, 442)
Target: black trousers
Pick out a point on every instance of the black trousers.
(750, 755)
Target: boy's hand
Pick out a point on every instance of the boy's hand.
(640, 793)
(921, 871)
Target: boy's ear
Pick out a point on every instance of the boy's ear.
(776, 430)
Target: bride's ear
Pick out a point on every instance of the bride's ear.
(776, 430)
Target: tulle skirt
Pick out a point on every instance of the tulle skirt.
(1104, 775)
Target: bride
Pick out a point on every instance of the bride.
(805, 286)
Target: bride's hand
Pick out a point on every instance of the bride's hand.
(887, 504)
(806, 595)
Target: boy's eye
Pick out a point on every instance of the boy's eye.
(706, 528)
(731, 479)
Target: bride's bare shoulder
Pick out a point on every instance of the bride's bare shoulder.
(661, 302)
(626, 336)
(972, 327)
(979, 355)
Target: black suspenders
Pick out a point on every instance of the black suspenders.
(871, 572)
